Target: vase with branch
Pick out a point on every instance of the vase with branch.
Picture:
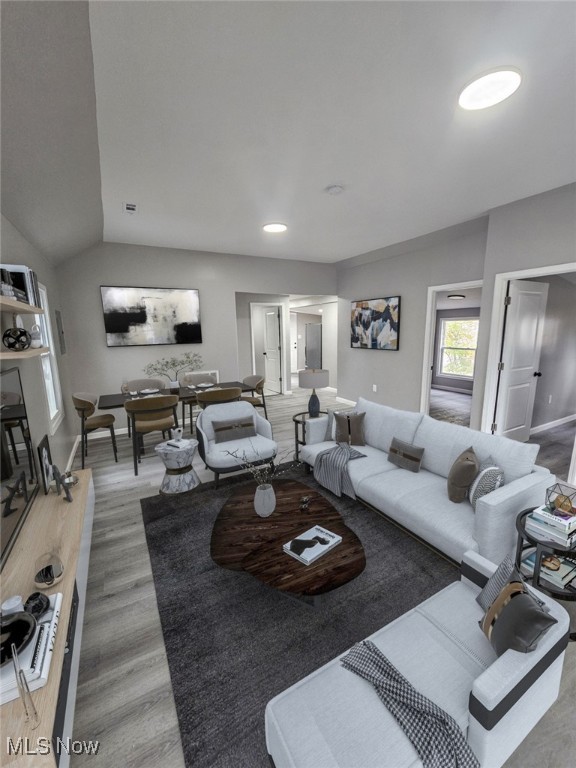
(172, 367)
(262, 470)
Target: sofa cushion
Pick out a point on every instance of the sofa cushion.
(374, 463)
(444, 442)
(331, 423)
(244, 450)
(419, 502)
(350, 428)
(382, 423)
(405, 455)
(496, 583)
(223, 411)
(333, 719)
(461, 475)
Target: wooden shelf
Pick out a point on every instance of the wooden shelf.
(7, 304)
(52, 525)
(7, 354)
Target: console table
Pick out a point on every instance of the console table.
(52, 525)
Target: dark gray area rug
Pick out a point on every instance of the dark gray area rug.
(233, 643)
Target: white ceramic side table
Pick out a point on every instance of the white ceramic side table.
(177, 456)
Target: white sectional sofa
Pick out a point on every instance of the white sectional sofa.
(334, 719)
(419, 501)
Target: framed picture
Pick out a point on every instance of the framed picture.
(143, 316)
(45, 462)
(375, 323)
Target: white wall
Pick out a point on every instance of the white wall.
(218, 277)
(330, 341)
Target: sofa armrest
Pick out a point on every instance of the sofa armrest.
(316, 429)
(495, 516)
(498, 688)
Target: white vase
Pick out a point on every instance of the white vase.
(264, 500)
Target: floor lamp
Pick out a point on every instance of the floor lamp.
(312, 378)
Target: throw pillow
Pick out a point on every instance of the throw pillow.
(330, 426)
(515, 620)
(496, 583)
(233, 429)
(487, 480)
(350, 428)
(461, 475)
(405, 455)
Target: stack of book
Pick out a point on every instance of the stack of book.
(312, 544)
(558, 570)
(555, 526)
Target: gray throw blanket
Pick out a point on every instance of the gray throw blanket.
(331, 469)
(434, 734)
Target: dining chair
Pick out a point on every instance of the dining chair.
(213, 396)
(157, 413)
(85, 404)
(256, 384)
(193, 379)
(137, 385)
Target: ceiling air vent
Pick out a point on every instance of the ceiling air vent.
(129, 208)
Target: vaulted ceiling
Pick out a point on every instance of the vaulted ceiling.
(215, 118)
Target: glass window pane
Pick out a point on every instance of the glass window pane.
(458, 362)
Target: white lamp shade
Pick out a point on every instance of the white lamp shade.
(313, 378)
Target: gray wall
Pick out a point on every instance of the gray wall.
(218, 277)
(398, 375)
(558, 358)
(330, 341)
(17, 250)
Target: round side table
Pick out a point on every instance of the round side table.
(177, 456)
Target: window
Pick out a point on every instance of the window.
(50, 365)
(458, 342)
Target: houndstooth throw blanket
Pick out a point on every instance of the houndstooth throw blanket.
(434, 734)
(331, 469)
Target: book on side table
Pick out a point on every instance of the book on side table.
(559, 569)
(312, 544)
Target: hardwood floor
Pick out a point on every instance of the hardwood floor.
(125, 695)
(556, 444)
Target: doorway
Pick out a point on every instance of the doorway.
(267, 344)
(450, 351)
(555, 407)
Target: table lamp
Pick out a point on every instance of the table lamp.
(310, 378)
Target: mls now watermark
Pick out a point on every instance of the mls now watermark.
(45, 746)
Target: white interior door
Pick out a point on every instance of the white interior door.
(293, 342)
(273, 349)
(519, 374)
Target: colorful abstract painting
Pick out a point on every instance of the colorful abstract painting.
(375, 323)
(141, 316)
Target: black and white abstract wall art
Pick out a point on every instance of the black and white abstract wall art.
(375, 323)
(142, 316)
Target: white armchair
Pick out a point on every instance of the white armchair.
(231, 434)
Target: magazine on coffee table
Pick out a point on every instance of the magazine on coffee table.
(312, 544)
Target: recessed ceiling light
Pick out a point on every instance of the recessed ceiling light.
(320, 310)
(275, 228)
(456, 296)
(490, 89)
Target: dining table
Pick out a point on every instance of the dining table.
(185, 394)
(117, 399)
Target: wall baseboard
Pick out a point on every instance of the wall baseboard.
(552, 424)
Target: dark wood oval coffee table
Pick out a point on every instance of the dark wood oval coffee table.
(242, 541)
